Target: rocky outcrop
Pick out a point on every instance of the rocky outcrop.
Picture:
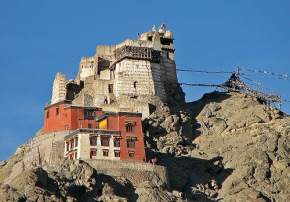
(236, 151)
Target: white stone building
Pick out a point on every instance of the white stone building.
(93, 144)
(133, 70)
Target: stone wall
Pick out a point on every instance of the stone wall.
(88, 67)
(136, 172)
(98, 90)
(159, 83)
(59, 88)
(42, 150)
(129, 71)
(168, 70)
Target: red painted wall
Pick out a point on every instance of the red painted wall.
(69, 118)
(137, 132)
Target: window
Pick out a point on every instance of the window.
(89, 113)
(105, 141)
(166, 41)
(89, 125)
(93, 141)
(93, 153)
(131, 143)
(67, 146)
(135, 85)
(76, 155)
(47, 114)
(57, 111)
(117, 153)
(111, 88)
(131, 154)
(76, 142)
(116, 142)
(105, 152)
(72, 143)
(129, 127)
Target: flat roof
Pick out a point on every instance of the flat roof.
(97, 108)
(93, 131)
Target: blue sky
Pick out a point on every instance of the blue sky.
(38, 39)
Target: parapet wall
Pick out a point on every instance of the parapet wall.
(136, 172)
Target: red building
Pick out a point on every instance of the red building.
(94, 134)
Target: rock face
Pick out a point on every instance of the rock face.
(223, 147)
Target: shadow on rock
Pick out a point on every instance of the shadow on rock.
(195, 177)
(197, 106)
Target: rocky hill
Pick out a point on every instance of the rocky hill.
(223, 147)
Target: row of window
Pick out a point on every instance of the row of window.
(93, 153)
(105, 141)
(56, 112)
(129, 127)
(72, 144)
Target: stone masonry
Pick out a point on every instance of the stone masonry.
(135, 69)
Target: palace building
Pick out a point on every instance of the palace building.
(95, 134)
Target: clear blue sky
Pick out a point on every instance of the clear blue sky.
(38, 39)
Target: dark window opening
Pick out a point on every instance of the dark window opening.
(105, 152)
(117, 153)
(116, 142)
(150, 38)
(89, 113)
(129, 127)
(89, 125)
(67, 146)
(135, 85)
(93, 141)
(57, 111)
(93, 153)
(72, 144)
(111, 88)
(131, 154)
(131, 143)
(76, 142)
(105, 141)
(166, 41)
(47, 114)
(106, 100)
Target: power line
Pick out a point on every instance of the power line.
(203, 71)
(201, 85)
(268, 73)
